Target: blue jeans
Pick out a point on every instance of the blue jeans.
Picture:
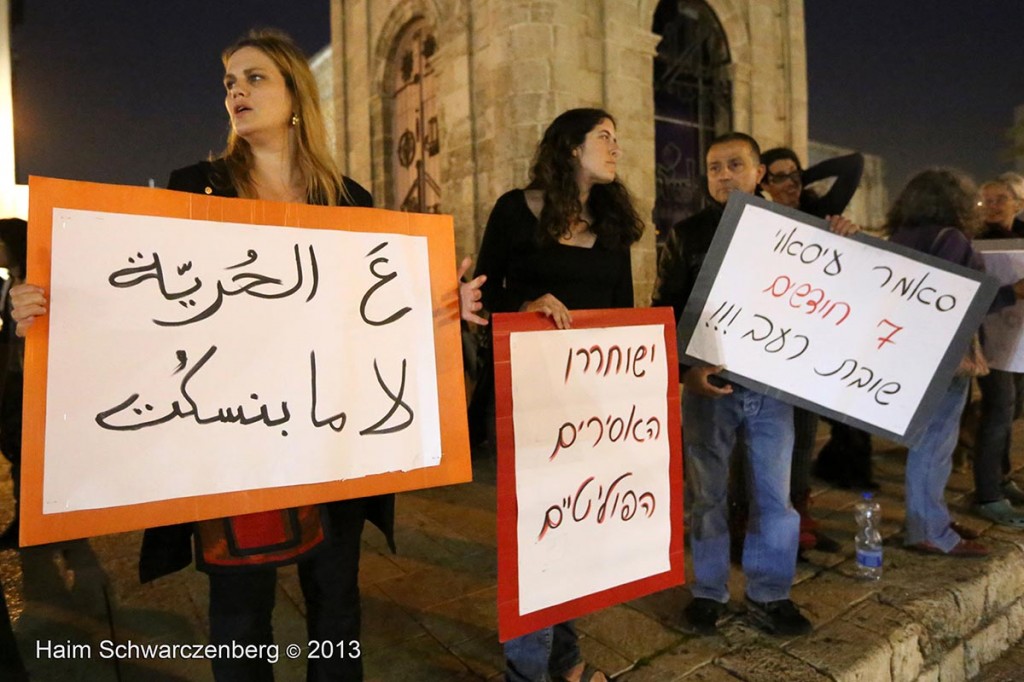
(710, 426)
(928, 465)
(532, 657)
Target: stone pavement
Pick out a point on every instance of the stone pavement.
(429, 612)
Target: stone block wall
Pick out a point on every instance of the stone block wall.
(506, 68)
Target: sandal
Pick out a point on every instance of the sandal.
(1002, 513)
(971, 549)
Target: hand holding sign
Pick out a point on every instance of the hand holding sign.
(27, 303)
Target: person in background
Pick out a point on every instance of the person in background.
(785, 181)
(995, 493)
(1016, 183)
(12, 257)
(558, 245)
(13, 249)
(934, 214)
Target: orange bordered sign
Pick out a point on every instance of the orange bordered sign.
(205, 357)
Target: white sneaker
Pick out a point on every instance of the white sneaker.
(1001, 513)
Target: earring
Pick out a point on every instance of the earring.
(295, 120)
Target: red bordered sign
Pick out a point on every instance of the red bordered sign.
(590, 479)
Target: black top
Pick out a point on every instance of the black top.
(846, 170)
(521, 267)
(1018, 228)
(996, 231)
(211, 177)
(167, 549)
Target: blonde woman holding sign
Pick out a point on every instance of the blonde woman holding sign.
(276, 151)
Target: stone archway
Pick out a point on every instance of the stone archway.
(692, 103)
(412, 143)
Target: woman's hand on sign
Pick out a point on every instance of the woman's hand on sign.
(1018, 289)
(698, 380)
(469, 294)
(552, 307)
(27, 303)
(842, 226)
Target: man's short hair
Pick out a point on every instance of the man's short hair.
(740, 137)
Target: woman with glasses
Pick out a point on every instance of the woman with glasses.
(995, 494)
(785, 182)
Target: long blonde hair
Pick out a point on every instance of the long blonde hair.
(323, 180)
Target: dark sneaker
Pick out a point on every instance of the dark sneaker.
(701, 616)
(780, 617)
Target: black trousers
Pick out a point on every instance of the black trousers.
(241, 605)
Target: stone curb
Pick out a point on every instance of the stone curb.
(930, 618)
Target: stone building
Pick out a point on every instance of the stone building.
(1017, 139)
(438, 105)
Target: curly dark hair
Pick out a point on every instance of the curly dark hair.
(616, 222)
(943, 197)
(777, 154)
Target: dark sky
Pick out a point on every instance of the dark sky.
(124, 90)
(921, 83)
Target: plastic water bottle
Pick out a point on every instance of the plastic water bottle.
(868, 540)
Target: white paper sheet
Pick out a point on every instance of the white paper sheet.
(1004, 330)
(840, 323)
(592, 460)
(144, 404)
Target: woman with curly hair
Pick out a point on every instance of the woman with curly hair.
(934, 213)
(561, 244)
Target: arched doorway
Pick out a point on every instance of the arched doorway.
(414, 161)
(692, 104)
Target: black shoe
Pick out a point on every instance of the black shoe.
(780, 617)
(701, 616)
